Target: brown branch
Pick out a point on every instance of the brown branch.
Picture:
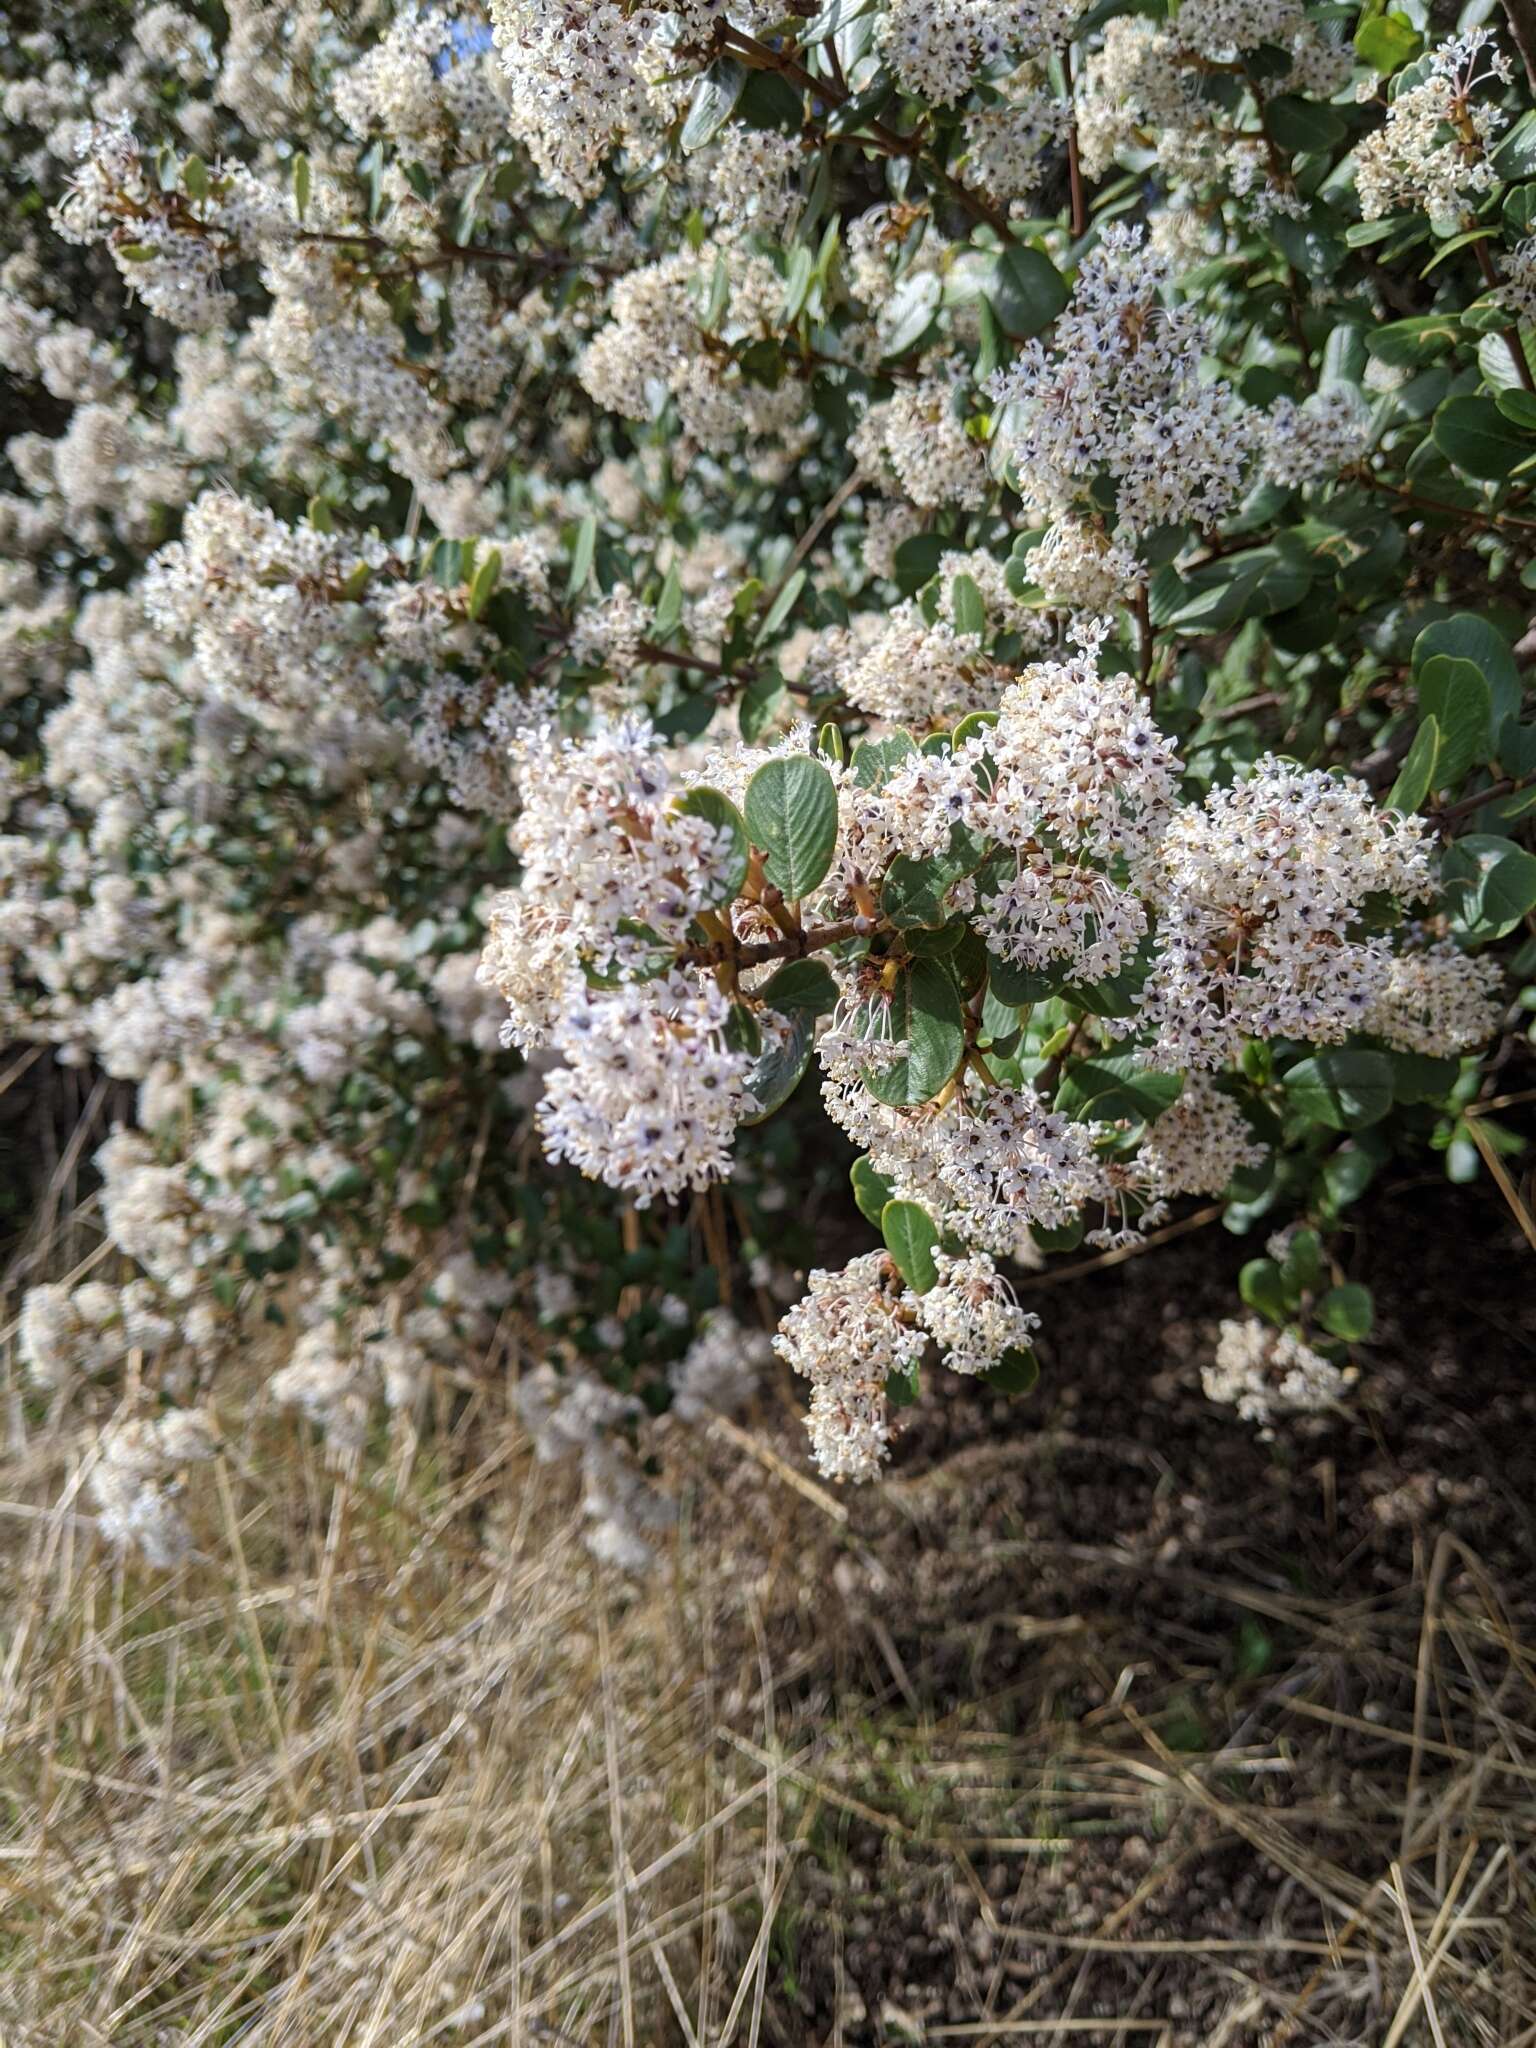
(1144, 639)
(1507, 785)
(1469, 515)
(1074, 152)
(813, 533)
(698, 664)
(875, 135)
(793, 947)
(1522, 29)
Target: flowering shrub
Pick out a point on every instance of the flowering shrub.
(568, 571)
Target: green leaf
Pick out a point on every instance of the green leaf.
(785, 1057)
(909, 313)
(1495, 358)
(1448, 249)
(1110, 1087)
(1472, 433)
(903, 1389)
(782, 606)
(1347, 1312)
(1245, 586)
(935, 1029)
(871, 1190)
(1387, 43)
(668, 614)
(1302, 1268)
(194, 175)
(1515, 156)
(1419, 1077)
(1490, 884)
(1408, 344)
(791, 812)
(720, 812)
(762, 701)
(876, 761)
(1344, 1087)
(968, 606)
(1301, 125)
(743, 1033)
(917, 560)
(483, 587)
(713, 103)
(912, 894)
(1261, 1288)
(910, 1237)
(801, 991)
(1016, 1372)
(1471, 638)
(1343, 357)
(301, 182)
(1027, 291)
(801, 985)
(1453, 693)
(798, 280)
(1518, 407)
(582, 553)
(467, 214)
(1416, 777)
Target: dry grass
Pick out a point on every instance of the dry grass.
(392, 1762)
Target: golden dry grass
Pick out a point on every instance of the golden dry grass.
(391, 1761)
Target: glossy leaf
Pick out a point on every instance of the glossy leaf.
(791, 813)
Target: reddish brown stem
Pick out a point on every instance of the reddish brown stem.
(1074, 153)
(1507, 785)
(793, 947)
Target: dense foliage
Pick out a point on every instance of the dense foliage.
(974, 553)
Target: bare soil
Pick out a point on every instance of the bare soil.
(1104, 1708)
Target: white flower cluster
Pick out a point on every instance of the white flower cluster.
(168, 251)
(1319, 439)
(651, 1094)
(1077, 564)
(89, 1329)
(1432, 152)
(1145, 91)
(861, 1326)
(1199, 1142)
(587, 77)
(972, 1313)
(1518, 291)
(655, 344)
(264, 604)
(918, 441)
(1258, 894)
(1265, 1374)
(428, 87)
(1084, 785)
(1008, 146)
(134, 1483)
(937, 47)
(1438, 1000)
(1118, 390)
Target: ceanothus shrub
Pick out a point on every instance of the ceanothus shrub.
(610, 591)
